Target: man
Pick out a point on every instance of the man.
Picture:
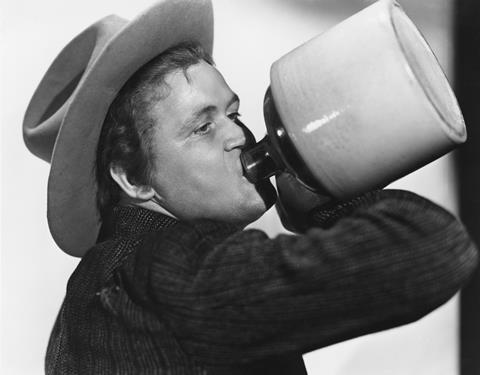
(149, 148)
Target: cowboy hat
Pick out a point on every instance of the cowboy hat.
(63, 121)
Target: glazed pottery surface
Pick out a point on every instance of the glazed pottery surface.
(366, 102)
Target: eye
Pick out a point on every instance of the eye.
(204, 129)
(234, 116)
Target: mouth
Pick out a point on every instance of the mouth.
(240, 169)
(245, 179)
(263, 187)
(243, 176)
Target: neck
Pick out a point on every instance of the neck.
(152, 205)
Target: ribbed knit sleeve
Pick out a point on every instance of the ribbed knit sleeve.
(379, 261)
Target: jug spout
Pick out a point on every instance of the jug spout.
(260, 161)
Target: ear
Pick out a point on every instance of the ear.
(138, 192)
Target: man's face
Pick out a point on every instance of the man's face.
(196, 146)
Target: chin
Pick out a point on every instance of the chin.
(267, 193)
(263, 198)
(250, 215)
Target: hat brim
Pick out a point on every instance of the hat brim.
(72, 213)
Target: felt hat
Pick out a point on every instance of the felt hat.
(63, 121)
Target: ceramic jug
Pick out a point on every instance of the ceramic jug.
(357, 107)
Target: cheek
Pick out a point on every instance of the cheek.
(189, 173)
(204, 180)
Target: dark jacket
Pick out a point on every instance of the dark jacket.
(165, 297)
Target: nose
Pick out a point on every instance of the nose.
(239, 135)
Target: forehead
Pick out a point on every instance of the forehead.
(186, 92)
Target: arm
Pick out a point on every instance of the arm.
(382, 260)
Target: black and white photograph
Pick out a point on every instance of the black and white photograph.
(240, 187)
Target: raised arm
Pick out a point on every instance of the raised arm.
(379, 261)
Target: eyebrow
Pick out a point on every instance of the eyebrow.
(205, 110)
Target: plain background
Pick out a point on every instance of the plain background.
(250, 35)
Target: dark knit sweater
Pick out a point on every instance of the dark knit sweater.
(166, 297)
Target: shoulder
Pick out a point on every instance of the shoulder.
(193, 238)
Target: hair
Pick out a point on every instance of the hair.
(126, 136)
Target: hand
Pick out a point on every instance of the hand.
(295, 201)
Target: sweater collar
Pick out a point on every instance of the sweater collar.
(131, 220)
